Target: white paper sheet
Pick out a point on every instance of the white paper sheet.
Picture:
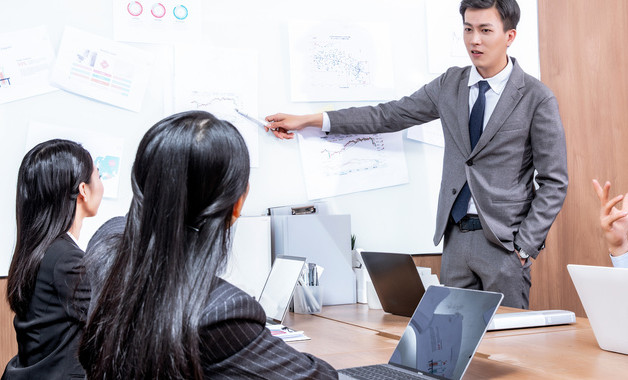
(26, 58)
(341, 164)
(106, 151)
(429, 133)
(102, 69)
(249, 259)
(219, 81)
(340, 61)
(163, 21)
(445, 43)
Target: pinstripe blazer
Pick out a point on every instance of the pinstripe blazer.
(523, 135)
(237, 345)
(235, 342)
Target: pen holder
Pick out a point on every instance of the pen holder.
(308, 299)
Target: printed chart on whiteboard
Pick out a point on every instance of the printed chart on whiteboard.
(341, 164)
(26, 58)
(219, 81)
(330, 61)
(106, 150)
(102, 69)
(163, 21)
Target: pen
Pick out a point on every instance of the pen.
(312, 274)
(254, 120)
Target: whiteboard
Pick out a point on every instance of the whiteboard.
(395, 219)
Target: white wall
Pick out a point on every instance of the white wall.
(397, 219)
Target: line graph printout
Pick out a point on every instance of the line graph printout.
(342, 164)
(26, 58)
(340, 61)
(219, 81)
(102, 69)
(106, 151)
(445, 42)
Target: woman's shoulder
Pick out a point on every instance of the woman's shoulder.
(109, 231)
(62, 253)
(230, 302)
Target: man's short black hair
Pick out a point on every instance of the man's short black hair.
(508, 10)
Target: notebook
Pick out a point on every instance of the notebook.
(441, 338)
(277, 292)
(396, 281)
(603, 292)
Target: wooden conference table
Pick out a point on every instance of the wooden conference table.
(353, 335)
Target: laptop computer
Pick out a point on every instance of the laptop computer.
(441, 338)
(396, 281)
(277, 292)
(603, 292)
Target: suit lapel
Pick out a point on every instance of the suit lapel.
(460, 132)
(513, 92)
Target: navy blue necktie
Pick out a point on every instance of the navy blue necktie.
(476, 122)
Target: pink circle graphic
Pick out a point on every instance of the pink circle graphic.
(134, 8)
(158, 10)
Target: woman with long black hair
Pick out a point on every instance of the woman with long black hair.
(57, 187)
(162, 311)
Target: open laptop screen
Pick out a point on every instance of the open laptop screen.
(279, 286)
(445, 331)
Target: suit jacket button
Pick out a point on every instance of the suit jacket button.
(453, 191)
(470, 163)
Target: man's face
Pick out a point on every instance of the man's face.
(486, 41)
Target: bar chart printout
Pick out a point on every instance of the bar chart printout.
(102, 69)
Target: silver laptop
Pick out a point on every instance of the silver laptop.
(441, 338)
(603, 292)
(277, 292)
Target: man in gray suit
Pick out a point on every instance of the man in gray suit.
(500, 126)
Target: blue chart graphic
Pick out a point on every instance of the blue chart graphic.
(343, 67)
(4, 80)
(108, 166)
(339, 64)
(346, 154)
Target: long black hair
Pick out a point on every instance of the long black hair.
(47, 189)
(189, 172)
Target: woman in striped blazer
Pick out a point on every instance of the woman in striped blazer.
(162, 312)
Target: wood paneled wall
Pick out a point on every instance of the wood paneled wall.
(8, 344)
(584, 60)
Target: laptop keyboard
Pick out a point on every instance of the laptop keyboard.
(378, 372)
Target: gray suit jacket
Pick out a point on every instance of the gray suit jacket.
(524, 134)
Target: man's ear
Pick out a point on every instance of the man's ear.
(512, 33)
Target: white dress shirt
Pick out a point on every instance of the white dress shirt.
(620, 261)
(73, 238)
(497, 84)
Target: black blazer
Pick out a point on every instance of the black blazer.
(48, 336)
